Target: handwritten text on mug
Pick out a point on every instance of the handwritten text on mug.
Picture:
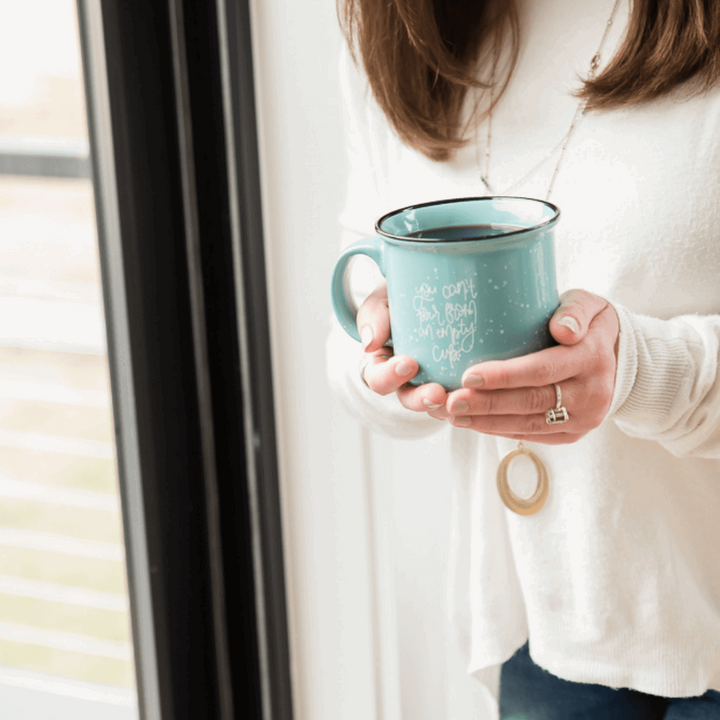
(448, 318)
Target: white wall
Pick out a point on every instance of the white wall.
(365, 543)
(326, 540)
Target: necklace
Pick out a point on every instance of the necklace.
(562, 145)
(531, 505)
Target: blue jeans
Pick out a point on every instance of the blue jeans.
(527, 692)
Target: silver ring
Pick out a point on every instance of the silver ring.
(558, 414)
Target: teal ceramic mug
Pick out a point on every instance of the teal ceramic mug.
(468, 280)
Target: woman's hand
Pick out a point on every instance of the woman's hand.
(385, 373)
(509, 398)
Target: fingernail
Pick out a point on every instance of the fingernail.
(462, 421)
(366, 336)
(473, 381)
(459, 407)
(431, 405)
(402, 368)
(571, 323)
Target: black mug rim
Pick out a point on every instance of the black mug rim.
(499, 236)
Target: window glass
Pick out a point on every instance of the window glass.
(65, 638)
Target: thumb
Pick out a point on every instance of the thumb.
(570, 322)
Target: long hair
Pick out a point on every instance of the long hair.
(422, 56)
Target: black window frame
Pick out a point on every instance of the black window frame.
(176, 172)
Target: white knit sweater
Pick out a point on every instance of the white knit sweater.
(617, 579)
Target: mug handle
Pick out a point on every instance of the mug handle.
(343, 304)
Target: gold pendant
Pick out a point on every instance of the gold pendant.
(523, 506)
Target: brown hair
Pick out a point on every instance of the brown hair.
(422, 56)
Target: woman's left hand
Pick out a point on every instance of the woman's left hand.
(509, 398)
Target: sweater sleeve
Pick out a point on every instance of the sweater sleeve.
(367, 148)
(667, 387)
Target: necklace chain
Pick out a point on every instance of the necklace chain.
(538, 498)
(577, 116)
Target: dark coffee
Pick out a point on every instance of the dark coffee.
(464, 232)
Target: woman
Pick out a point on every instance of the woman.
(613, 112)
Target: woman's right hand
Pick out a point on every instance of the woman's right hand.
(384, 372)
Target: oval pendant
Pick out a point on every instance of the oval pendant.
(522, 506)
